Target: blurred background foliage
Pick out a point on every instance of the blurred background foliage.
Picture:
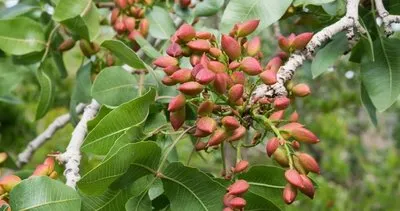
(359, 161)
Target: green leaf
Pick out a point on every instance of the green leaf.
(327, 56)
(114, 124)
(80, 16)
(47, 88)
(190, 189)
(257, 203)
(147, 48)
(43, 194)
(141, 200)
(208, 8)
(17, 10)
(114, 86)
(81, 91)
(267, 11)
(10, 75)
(366, 101)
(4, 208)
(10, 99)
(297, 3)
(124, 53)
(381, 77)
(266, 182)
(145, 155)
(161, 24)
(104, 110)
(111, 200)
(132, 135)
(21, 35)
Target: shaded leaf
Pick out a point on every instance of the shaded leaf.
(366, 101)
(307, 2)
(208, 8)
(124, 53)
(10, 75)
(81, 91)
(43, 194)
(21, 35)
(47, 88)
(111, 200)
(161, 24)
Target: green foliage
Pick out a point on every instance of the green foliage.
(124, 53)
(161, 24)
(47, 88)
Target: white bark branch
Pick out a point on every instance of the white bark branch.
(347, 23)
(72, 156)
(36, 143)
(387, 19)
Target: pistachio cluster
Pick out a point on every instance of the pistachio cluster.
(128, 19)
(223, 74)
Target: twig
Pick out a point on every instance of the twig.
(72, 156)
(57, 124)
(347, 23)
(387, 19)
(105, 4)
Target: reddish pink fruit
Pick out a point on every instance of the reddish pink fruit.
(121, 3)
(205, 108)
(302, 40)
(41, 170)
(241, 166)
(272, 145)
(184, 3)
(246, 28)
(251, 66)
(199, 45)
(194, 60)
(308, 162)
(119, 25)
(129, 23)
(182, 75)
(294, 117)
(114, 15)
(274, 64)
(177, 118)
(218, 137)
(293, 177)
(144, 27)
(301, 90)
(304, 135)
(253, 46)
(220, 83)
(289, 194)
(277, 115)
(284, 43)
(237, 134)
(170, 70)
(296, 145)
(281, 102)
(215, 52)
(280, 157)
(282, 55)
(177, 103)
(231, 47)
(9, 182)
(205, 76)
(133, 35)
(227, 198)
(200, 145)
(308, 188)
(191, 88)
(165, 61)
(269, 77)
(237, 203)
(204, 35)
(234, 65)
(186, 33)
(168, 81)
(50, 162)
(174, 50)
(230, 122)
(238, 78)
(235, 92)
(239, 187)
(206, 124)
(227, 209)
(291, 126)
(216, 66)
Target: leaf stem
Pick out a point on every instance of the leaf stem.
(48, 44)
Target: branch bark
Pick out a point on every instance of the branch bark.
(36, 143)
(387, 19)
(72, 156)
(347, 23)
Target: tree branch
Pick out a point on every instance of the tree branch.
(57, 124)
(347, 23)
(387, 19)
(72, 156)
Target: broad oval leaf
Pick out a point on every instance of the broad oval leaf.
(161, 24)
(208, 8)
(143, 154)
(327, 56)
(115, 123)
(81, 91)
(10, 75)
(381, 77)
(80, 16)
(124, 53)
(147, 48)
(190, 189)
(47, 88)
(114, 86)
(21, 35)
(266, 182)
(111, 200)
(43, 194)
(238, 11)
